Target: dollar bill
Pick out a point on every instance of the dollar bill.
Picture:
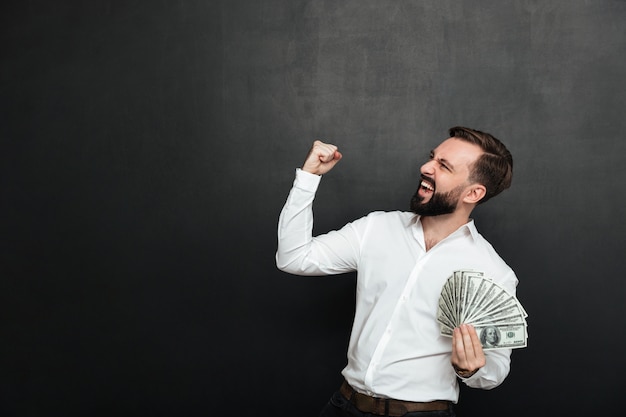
(502, 336)
(471, 297)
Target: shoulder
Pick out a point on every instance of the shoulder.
(499, 267)
(400, 217)
(489, 249)
(483, 244)
(384, 221)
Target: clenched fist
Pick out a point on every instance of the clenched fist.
(321, 158)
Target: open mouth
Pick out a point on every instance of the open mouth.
(427, 185)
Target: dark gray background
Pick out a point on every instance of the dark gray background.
(148, 146)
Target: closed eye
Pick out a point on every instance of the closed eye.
(442, 162)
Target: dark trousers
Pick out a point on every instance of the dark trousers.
(339, 406)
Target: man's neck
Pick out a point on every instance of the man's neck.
(437, 228)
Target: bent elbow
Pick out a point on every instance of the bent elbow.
(285, 265)
(297, 265)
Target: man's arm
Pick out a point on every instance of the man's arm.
(477, 368)
(298, 251)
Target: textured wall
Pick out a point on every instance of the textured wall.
(147, 148)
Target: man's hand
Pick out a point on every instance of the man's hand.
(321, 158)
(467, 351)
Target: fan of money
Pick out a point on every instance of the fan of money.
(471, 297)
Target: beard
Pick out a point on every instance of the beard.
(439, 203)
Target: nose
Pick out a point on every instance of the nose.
(428, 168)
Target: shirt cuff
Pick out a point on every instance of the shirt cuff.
(466, 378)
(306, 181)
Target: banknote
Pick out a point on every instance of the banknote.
(497, 315)
(502, 336)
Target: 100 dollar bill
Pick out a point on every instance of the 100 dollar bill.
(502, 336)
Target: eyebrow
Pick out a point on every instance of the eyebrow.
(442, 160)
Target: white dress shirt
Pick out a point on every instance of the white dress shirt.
(395, 348)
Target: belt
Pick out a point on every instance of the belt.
(387, 406)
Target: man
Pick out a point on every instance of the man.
(398, 363)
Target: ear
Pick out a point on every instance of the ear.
(474, 193)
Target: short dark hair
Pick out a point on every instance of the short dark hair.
(494, 168)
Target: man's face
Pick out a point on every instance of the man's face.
(491, 335)
(444, 178)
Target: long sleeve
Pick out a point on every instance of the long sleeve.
(494, 372)
(298, 251)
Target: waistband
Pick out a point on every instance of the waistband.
(388, 406)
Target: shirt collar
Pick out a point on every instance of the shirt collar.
(472, 229)
(468, 227)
